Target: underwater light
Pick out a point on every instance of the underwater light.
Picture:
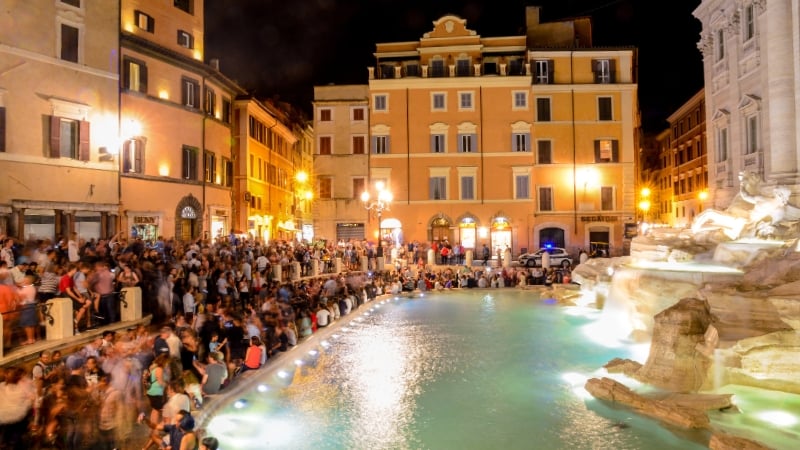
(780, 418)
(283, 374)
(298, 362)
(239, 404)
(313, 352)
(262, 388)
(324, 344)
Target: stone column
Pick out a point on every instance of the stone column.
(314, 267)
(782, 145)
(295, 271)
(20, 224)
(468, 258)
(60, 309)
(130, 304)
(337, 265)
(364, 264)
(103, 225)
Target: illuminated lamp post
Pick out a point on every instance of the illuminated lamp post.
(379, 204)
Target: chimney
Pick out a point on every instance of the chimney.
(214, 63)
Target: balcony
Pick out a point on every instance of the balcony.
(754, 162)
(437, 69)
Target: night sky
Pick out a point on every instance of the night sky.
(282, 49)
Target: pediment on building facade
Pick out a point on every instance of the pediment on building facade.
(439, 127)
(750, 101)
(449, 26)
(381, 130)
(720, 114)
(521, 126)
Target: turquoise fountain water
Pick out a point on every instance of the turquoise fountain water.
(474, 369)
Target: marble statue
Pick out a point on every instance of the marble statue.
(755, 212)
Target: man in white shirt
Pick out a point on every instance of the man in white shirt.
(323, 317)
(72, 248)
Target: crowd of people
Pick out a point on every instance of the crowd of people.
(219, 309)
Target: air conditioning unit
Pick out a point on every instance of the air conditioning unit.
(247, 196)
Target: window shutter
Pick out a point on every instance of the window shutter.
(55, 136)
(2, 129)
(388, 147)
(615, 150)
(526, 138)
(473, 143)
(433, 143)
(514, 147)
(460, 143)
(612, 70)
(374, 144)
(83, 137)
(432, 188)
(126, 74)
(596, 151)
(550, 71)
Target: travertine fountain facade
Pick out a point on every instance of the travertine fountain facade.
(720, 304)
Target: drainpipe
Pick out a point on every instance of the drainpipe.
(205, 213)
(574, 150)
(408, 155)
(483, 173)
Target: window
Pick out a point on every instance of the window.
(185, 5)
(465, 101)
(520, 142)
(545, 199)
(438, 143)
(185, 39)
(749, 22)
(359, 186)
(134, 75)
(720, 45)
(227, 172)
(190, 93)
(211, 102)
(359, 145)
(462, 67)
(606, 198)
(210, 167)
(521, 186)
(722, 145)
(226, 110)
(751, 133)
(2, 128)
(438, 188)
(144, 22)
(437, 68)
(604, 108)
(543, 71)
(325, 145)
(380, 145)
(468, 188)
(133, 156)
(543, 109)
(606, 151)
(69, 43)
(380, 102)
(75, 3)
(466, 143)
(69, 138)
(358, 114)
(325, 187)
(603, 71)
(520, 100)
(325, 115)
(189, 163)
(438, 102)
(544, 152)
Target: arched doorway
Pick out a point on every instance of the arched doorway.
(552, 237)
(188, 219)
(500, 235)
(441, 229)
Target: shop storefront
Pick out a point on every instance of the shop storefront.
(220, 225)
(500, 235)
(145, 226)
(468, 233)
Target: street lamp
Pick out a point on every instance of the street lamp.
(379, 204)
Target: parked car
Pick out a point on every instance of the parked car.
(558, 257)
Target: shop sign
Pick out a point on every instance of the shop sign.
(145, 219)
(598, 218)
